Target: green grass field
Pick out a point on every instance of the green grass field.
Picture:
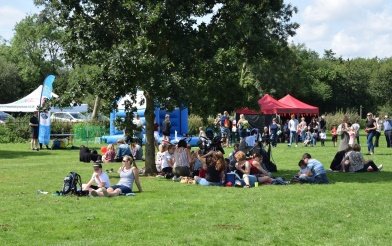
(355, 209)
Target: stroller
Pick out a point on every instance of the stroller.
(210, 142)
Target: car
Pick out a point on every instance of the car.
(4, 117)
(68, 117)
(100, 117)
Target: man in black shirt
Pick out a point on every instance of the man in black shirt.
(34, 131)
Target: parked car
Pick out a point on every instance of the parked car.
(68, 117)
(4, 117)
(101, 117)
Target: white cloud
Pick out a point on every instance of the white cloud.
(333, 10)
(351, 28)
(344, 43)
(308, 32)
(9, 16)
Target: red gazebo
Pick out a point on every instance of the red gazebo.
(298, 106)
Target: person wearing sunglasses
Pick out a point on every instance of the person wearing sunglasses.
(98, 180)
(129, 173)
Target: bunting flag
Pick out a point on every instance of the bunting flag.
(44, 116)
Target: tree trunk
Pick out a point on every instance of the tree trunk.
(149, 148)
(94, 115)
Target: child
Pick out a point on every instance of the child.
(334, 133)
(158, 160)
(202, 133)
(110, 154)
(303, 169)
(323, 137)
(352, 134)
(308, 137)
(168, 162)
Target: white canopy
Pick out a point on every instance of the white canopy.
(139, 104)
(30, 103)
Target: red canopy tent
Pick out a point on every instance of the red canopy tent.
(298, 106)
(247, 111)
(269, 105)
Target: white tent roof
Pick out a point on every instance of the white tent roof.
(138, 104)
(27, 104)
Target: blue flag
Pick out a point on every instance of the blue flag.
(44, 116)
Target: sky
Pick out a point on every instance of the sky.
(351, 28)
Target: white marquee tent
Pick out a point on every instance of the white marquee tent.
(30, 103)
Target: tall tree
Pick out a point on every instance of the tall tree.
(158, 47)
(36, 50)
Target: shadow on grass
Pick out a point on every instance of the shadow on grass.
(15, 154)
(338, 177)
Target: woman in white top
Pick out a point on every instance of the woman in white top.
(101, 179)
(129, 173)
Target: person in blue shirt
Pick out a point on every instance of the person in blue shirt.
(122, 150)
(387, 125)
(316, 173)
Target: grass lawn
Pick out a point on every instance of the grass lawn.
(355, 209)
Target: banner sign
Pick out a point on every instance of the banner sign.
(44, 116)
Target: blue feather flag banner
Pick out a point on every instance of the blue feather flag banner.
(44, 116)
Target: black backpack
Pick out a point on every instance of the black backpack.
(72, 184)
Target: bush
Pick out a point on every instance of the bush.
(15, 131)
(194, 122)
(60, 127)
(337, 118)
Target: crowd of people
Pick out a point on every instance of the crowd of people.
(209, 167)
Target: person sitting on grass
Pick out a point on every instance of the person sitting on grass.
(168, 161)
(101, 179)
(215, 171)
(302, 174)
(316, 173)
(122, 150)
(158, 158)
(129, 173)
(243, 170)
(257, 170)
(110, 154)
(354, 162)
(182, 159)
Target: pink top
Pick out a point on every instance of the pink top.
(110, 155)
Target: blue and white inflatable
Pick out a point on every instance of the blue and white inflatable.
(178, 118)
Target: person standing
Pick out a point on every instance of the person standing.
(371, 131)
(166, 125)
(323, 123)
(138, 131)
(293, 125)
(34, 131)
(356, 127)
(225, 126)
(343, 132)
(387, 126)
(302, 128)
(273, 132)
(377, 134)
(242, 127)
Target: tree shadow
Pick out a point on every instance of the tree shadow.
(340, 177)
(16, 154)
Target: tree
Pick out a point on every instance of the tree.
(36, 50)
(10, 81)
(157, 47)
